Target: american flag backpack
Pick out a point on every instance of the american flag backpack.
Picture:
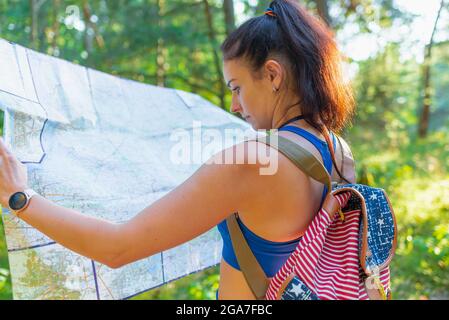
(345, 251)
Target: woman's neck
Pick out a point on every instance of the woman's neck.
(292, 110)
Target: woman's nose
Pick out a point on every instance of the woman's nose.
(235, 104)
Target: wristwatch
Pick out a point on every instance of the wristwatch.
(19, 201)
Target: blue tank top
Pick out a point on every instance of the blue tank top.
(272, 255)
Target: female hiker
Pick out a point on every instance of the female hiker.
(283, 68)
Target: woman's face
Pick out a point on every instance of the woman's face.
(252, 98)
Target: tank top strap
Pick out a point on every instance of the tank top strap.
(319, 144)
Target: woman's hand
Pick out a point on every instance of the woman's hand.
(13, 175)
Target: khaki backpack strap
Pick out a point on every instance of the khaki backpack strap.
(253, 272)
(251, 269)
(303, 159)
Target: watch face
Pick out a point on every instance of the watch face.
(17, 201)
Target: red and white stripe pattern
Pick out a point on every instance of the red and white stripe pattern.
(327, 257)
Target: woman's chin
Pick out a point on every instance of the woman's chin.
(253, 125)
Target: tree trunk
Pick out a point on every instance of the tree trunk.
(323, 11)
(228, 8)
(216, 58)
(33, 34)
(35, 6)
(54, 40)
(93, 26)
(88, 31)
(425, 114)
(161, 51)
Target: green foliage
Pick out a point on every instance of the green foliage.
(387, 90)
(415, 176)
(199, 286)
(420, 269)
(413, 171)
(125, 38)
(4, 273)
(5, 278)
(440, 85)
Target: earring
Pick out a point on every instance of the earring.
(275, 89)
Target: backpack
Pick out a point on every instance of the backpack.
(346, 250)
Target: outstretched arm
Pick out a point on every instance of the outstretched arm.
(212, 193)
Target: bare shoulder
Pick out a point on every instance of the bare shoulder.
(257, 165)
(271, 183)
(247, 154)
(247, 167)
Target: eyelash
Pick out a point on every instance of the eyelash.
(235, 89)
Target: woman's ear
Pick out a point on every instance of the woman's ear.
(274, 72)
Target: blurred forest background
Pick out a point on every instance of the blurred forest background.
(397, 58)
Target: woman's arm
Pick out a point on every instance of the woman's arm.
(212, 193)
(89, 236)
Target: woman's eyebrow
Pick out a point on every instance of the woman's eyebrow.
(229, 82)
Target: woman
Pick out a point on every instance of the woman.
(283, 70)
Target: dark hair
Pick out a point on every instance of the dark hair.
(304, 45)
